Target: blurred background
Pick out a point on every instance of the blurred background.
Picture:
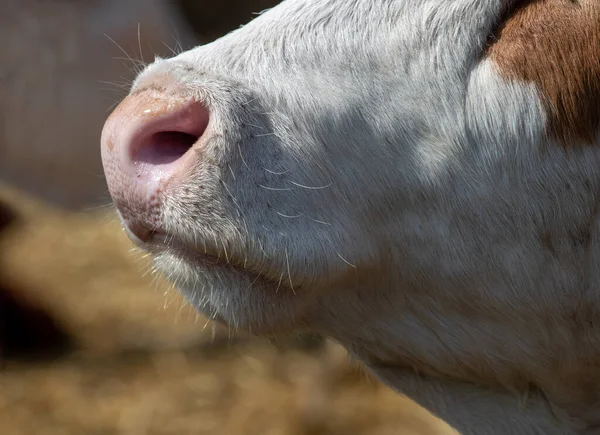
(90, 343)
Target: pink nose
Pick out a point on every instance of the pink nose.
(146, 149)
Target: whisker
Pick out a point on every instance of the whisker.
(346, 261)
(225, 251)
(310, 187)
(242, 157)
(287, 260)
(254, 125)
(260, 245)
(279, 284)
(168, 47)
(249, 101)
(231, 171)
(137, 62)
(129, 58)
(112, 106)
(232, 197)
(319, 222)
(140, 42)
(275, 188)
(101, 207)
(258, 275)
(290, 217)
(178, 46)
(205, 325)
(275, 172)
(120, 86)
(217, 246)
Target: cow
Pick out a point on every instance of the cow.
(416, 179)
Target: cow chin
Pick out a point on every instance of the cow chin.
(229, 294)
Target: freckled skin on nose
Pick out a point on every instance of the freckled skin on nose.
(145, 144)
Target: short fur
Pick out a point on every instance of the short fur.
(554, 44)
(374, 171)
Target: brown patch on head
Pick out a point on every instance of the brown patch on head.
(556, 45)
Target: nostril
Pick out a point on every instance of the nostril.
(147, 145)
(165, 147)
(154, 131)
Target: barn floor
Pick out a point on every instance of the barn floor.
(138, 361)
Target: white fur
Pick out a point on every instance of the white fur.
(369, 175)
